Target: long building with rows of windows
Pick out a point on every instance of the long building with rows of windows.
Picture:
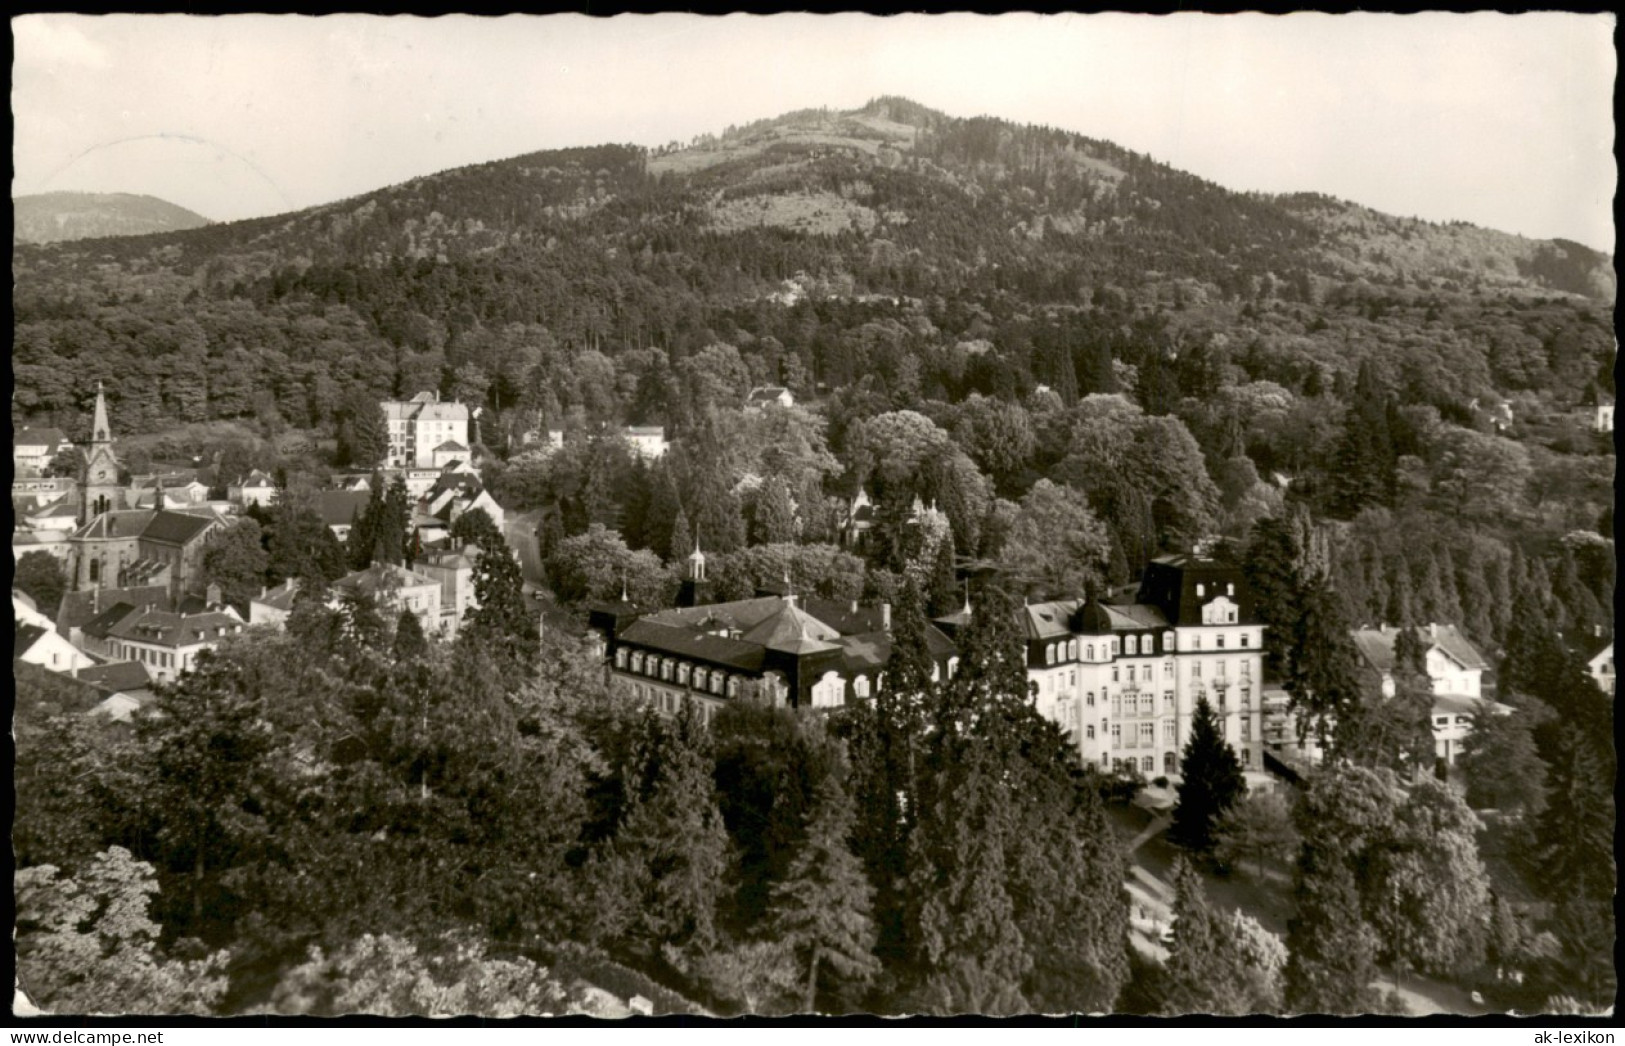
(1122, 678)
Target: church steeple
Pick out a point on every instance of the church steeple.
(100, 430)
(99, 488)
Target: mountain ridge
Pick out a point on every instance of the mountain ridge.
(54, 217)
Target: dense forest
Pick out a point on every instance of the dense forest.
(1045, 360)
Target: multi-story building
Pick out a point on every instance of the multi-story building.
(395, 589)
(1124, 678)
(419, 426)
(454, 571)
(778, 649)
(168, 643)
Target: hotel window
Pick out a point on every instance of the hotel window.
(1116, 649)
(1168, 700)
(1220, 642)
(1167, 642)
(1246, 697)
(1117, 704)
(620, 658)
(1196, 642)
(1148, 704)
(1089, 732)
(1167, 670)
(1168, 731)
(860, 686)
(1148, 764)
(682, 675)
(1091, 699)
(1072, 650)
(1114, 673)
(1049, 654)
(1148, 734)
(1246, 640)
(665, 668)
(701, 676)
(1117, 733)
(1091, 650)
(1230, 617)
(1246, 730)
(1105, 759)
(1219, 672)
(1246, 668)
(637, 662)
(1131, 645)
(1196, 670)
(1071, 679)
(716, 682)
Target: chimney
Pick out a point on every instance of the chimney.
(1433, 629)
(885, 616)
(211, 594)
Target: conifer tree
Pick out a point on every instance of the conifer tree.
(682, 540)
(822, 910)
(1211, 783)
(774, 521)
(410, 643)
(1331, 952)
(665, 867)
(970, 955)
(502, 622)
(943, 595)
(1204, 972)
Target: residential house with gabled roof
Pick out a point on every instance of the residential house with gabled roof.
(1598, 651)
(273, 605)
(126, 689)
(168, 643)
(1455, 670)
(764, 396)
(33, 448)
(39, 645)
(455, 493)
(340, 509)
(649, 441)
(256, 488)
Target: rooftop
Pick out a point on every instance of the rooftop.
(1376, 645)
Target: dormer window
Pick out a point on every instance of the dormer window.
(1131, 645)
(1167, 642)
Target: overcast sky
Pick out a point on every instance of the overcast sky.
(1503, 121)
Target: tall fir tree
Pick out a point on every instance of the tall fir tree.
(501, 622)
(822, 910)
(1331, 961)
(774, 521)
(1211, 783)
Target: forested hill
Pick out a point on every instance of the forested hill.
(951, 228)
(58, 216)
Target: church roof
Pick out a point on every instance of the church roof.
(176, 528)
(118, 523)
